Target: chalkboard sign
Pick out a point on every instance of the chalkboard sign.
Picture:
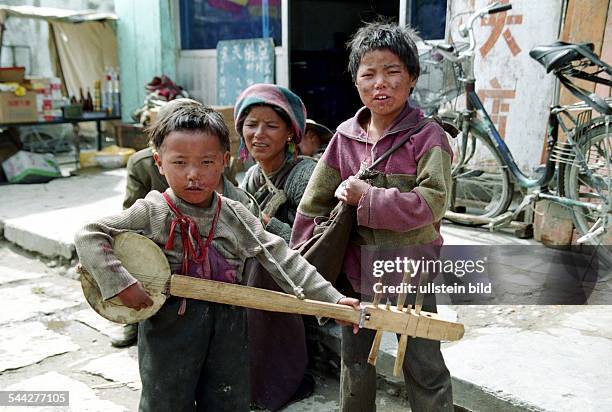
(241, 63)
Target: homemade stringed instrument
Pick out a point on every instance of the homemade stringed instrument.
(144, 260)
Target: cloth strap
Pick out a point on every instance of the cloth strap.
(396, 146)
(193, 247)
(298, 291)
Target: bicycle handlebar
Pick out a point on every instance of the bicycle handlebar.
(500, 8)
(467, 30)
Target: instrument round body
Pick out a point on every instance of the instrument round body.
(147, 263)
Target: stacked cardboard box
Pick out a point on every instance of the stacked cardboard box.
(228, 116)
(16, 105)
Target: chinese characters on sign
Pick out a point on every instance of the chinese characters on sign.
(241, 63)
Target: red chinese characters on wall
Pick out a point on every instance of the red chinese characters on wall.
(501, 106)
(498, 23)
(499, 98)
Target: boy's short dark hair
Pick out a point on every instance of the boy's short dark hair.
(187, 115)
(381, 35)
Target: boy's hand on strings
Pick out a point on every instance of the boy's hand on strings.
(354, 189)
(354, 303)
(135, 297)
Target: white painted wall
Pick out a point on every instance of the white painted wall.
(528, 24)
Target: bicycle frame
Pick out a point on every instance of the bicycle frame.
(486, 127)
(474, 105)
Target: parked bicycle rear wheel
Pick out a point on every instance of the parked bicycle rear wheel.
(596, 146)
(482, 185)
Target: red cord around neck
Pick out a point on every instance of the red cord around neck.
(193, 248)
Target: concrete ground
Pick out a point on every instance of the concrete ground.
(52, 340)
(512, 357)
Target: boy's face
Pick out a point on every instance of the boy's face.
(310, 143)
(383, 83)
(193, 163)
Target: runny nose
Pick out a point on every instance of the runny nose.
(192, 174)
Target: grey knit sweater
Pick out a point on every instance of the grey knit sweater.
(294, 187)
(152, 217)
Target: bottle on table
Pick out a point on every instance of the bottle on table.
(97, 105)
(88, 101)
(81, 98)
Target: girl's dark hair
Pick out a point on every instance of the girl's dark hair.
(382, 35)
(187, 115)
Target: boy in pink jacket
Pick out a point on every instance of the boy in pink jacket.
(401, 206)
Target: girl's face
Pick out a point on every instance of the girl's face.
(265, 135)
(383, 83)
(193, 163)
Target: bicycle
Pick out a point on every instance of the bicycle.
(484, 171)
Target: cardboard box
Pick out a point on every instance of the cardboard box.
(228, 116)
(131, 135)
(12, 74)
(153, 112)
(17, 109)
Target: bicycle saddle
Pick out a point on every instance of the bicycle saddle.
(559, 54)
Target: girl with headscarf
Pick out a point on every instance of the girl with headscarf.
(270, 120)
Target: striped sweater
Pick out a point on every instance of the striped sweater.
(406, 200)
(151, 217)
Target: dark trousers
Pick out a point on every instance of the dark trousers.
(428, 382)
(194, 362)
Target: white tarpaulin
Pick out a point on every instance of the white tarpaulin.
(84, 50)
(80, 51)
(53, 14)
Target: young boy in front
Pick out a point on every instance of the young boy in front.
(401, 206)
(193, 354)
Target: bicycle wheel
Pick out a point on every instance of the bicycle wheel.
(482, 184)
(596, 146)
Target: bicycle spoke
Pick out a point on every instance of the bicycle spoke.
(593, 226)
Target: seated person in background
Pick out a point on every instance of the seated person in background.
(315, 139)
(143, 176)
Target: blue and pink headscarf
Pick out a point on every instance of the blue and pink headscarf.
(273, 95)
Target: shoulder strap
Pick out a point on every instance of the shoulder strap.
(396, 146)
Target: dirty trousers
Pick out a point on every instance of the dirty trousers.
(194, 362)
(428, 382)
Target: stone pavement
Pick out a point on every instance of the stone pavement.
(512, 357)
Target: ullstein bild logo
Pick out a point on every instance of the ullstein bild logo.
(399, 265)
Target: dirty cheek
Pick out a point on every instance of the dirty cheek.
(210, 178)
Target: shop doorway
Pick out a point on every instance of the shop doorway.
(319, 30)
